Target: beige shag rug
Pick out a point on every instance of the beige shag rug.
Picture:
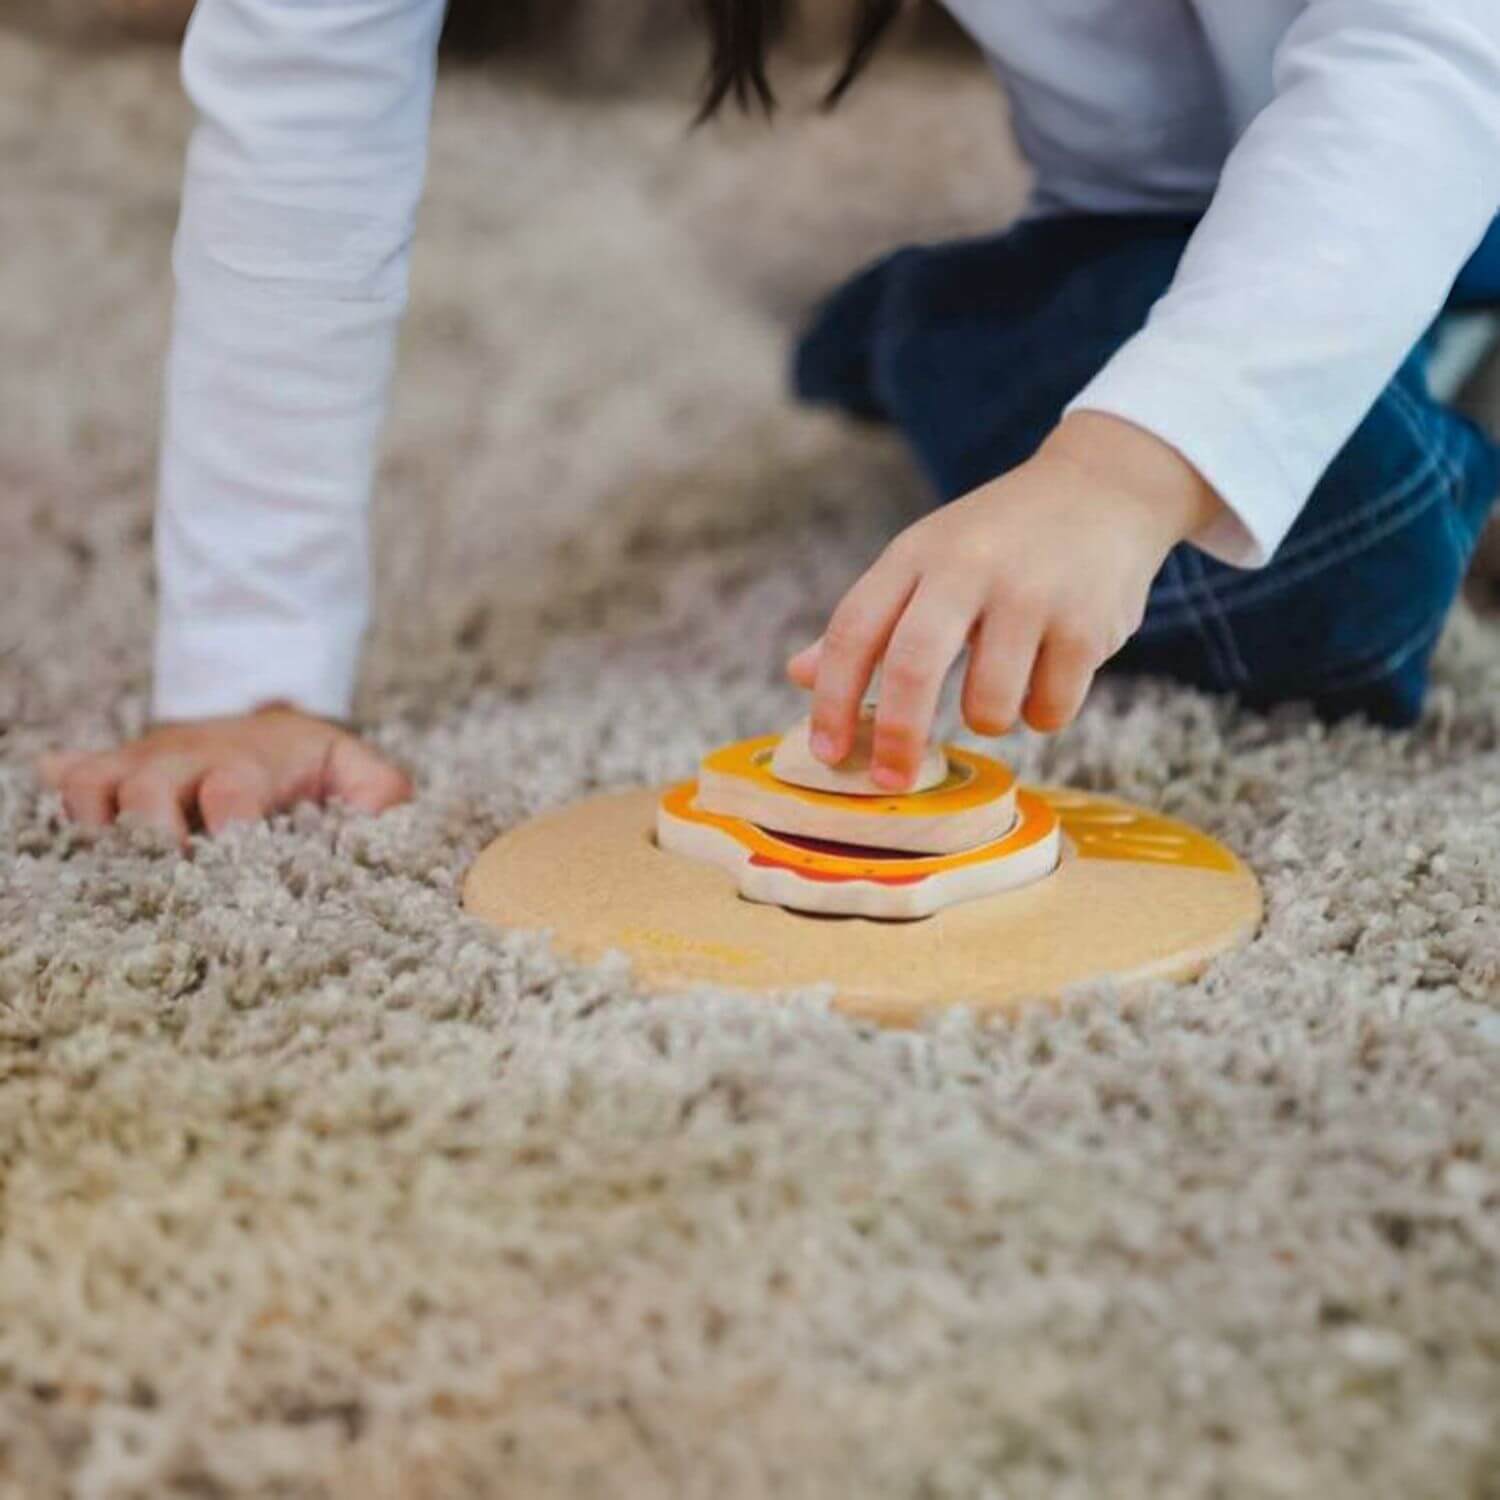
(311, 1188)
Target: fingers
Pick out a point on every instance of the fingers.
(1001, 657)
(158, 793)
(223, 771)
(240, 792)
(931, 632)
(88, 785)
(856, 637)
(364, 779)
(1064, 669)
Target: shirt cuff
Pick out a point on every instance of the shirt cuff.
(213, 670)
(1217, 429)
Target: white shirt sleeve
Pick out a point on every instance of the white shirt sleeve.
(303, 178)
(1341, 220)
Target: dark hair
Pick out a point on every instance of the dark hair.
(741, 32)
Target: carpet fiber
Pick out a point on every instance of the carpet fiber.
(310, 1187)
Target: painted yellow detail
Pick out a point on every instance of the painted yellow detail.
(1101, 828)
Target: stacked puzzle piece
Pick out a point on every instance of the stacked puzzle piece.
(797, 833)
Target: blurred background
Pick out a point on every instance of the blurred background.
(594, 41)
(591, 408)
(603, 301)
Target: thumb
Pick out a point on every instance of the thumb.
(363, 778)
(803, 667)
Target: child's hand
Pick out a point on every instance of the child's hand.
(1044, 573)
(220, 771)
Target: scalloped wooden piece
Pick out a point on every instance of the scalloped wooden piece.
(831, 879)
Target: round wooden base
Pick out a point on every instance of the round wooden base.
(1135, 897)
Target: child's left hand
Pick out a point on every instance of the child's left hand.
(1043, 573)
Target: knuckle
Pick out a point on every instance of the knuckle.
(897, 730)
(906, 672)
(848, 630)
(391, 782)
(908, 546)
(983, 555)
(1083, 639)
(1014, 596)
(145, 784)
(990, 712)
(915, 649)
(231, 779)
(898, 742)
(217, 790)
(87, 776)
(1048, 709)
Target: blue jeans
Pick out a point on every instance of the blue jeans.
(973, 350)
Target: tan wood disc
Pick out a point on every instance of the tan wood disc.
(1136, 897)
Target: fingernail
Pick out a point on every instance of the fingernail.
(891, 780)
(823, 746)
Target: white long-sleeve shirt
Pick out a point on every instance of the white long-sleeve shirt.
(1347, 153)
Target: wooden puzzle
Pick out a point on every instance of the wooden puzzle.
(744, 881)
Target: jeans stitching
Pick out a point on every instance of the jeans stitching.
(1450, 472)
(1390, 661)
(1460, 542)
(1238, 670)
(1395, 657)
(1200, 629)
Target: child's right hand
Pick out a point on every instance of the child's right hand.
(1045, 571)
(214, 772)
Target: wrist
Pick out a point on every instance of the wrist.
(1173, 498)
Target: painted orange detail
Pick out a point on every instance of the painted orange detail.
(973, 780)
(830, 877)
(1035, 821)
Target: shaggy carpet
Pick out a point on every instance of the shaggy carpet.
(309, 1187)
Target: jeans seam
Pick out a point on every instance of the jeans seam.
(1238, 671)
(1200, 628)
(1276, 582)
(1389, 661)
(1460, 543)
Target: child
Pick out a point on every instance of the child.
(1180, 411)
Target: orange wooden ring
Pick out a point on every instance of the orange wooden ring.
(812, 876)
